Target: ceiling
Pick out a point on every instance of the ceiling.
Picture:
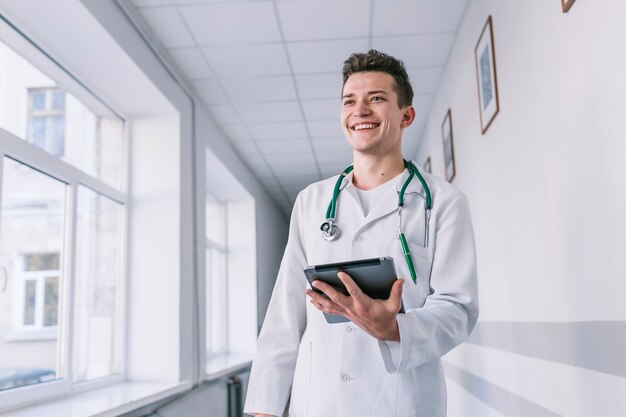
(269, 71)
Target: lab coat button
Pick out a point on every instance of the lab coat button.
(345, 378)
(351, 329)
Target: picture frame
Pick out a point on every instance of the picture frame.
(486, 76)
(428, 166)
(566, 5)
(447, 137)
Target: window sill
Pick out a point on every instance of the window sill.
(226, 364)
(105, 402)
(31, 335)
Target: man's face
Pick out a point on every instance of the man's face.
(371, 118)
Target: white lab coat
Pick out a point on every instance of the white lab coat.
(338, 370)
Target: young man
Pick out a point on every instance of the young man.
(381, 362)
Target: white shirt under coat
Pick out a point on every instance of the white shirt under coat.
(338, 370)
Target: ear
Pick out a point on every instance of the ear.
(408, 117)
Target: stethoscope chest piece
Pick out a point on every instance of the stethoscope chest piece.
(329, 230)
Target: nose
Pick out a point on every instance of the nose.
(362, 109)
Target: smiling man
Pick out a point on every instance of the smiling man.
(380, 362)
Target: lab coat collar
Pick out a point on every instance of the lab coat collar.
(389, 202)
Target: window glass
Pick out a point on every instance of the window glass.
(32, 224)
(215, 213)
(36, 108)
(98, 273)
(217, 302)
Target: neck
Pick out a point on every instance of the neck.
(372, 172)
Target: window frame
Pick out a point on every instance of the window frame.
(21, 150)
(212, 245)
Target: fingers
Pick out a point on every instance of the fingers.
(324, 304)
(351, 286)
(332, 293)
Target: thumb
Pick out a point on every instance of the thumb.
(395, 297)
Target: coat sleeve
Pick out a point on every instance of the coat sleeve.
(277, 347)
(451, 310)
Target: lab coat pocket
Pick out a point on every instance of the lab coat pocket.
(299, 403)
(413, 293)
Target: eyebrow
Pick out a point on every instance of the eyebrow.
(369, 93)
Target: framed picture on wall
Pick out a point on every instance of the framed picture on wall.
(448, 146)
(428, 166)
(567, 4)
(485, 56)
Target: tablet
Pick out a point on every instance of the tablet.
(374, 276)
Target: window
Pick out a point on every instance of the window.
(62, 231)
(230, 270)
(40, 286)
(32, 231)
(80, 131)
(46, 119)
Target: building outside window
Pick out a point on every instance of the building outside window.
(46, 119)
(40, 286)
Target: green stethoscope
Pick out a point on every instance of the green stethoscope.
(330, 230)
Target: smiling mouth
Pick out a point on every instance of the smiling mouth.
(365, 126)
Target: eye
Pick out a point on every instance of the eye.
(348, 102)
(377, 98)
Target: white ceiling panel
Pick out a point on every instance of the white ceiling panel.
(322, 109)
(283, 171)
(223, 113)
(325, 128)
(150, 3)
(297, 179)
(317, 86)
(282, 160)
(210, 91)
(269, 131)
(404, 17)
(285, 146)
(332, 169)
(237, 132)
(279, 111)
(337, 144)
(424, 80)
(248, 60)
(246, 148)
(246, 90)
(168, 27)
(341, 158)
(232, 22)
(425, 50)
(324, 19)
(192, 63)
(323, 56)
(258, 162)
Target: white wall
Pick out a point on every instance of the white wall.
(547, 193)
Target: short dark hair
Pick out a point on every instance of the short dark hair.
(374, 60)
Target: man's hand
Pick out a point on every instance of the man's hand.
(263, 415)
(376, 317)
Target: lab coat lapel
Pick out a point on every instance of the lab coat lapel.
(388, 202)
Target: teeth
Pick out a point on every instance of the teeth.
(365, 126)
